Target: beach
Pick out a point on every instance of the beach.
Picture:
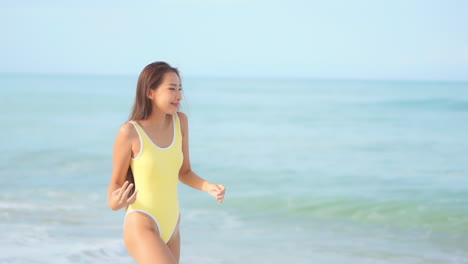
(317, 171)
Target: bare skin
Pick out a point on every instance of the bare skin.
(141, 234)
(144, 243)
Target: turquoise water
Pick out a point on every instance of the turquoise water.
(317, 171)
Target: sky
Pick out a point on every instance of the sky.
(359, 39)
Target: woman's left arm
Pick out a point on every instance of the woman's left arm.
(189, 177)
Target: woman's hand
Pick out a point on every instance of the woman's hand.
(120, 197)
(217, 191)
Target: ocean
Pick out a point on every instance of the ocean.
(317, 171)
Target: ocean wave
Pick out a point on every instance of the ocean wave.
(224, 220)
(113, 251)
(63, 162)
(46, 212)
(399, 213)
(16, 205)
(53, 252)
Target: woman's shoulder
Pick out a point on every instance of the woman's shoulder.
(183, 117)
(127, 130)
(183, 121)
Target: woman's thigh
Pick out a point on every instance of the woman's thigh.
(174, 242)
(143, 242)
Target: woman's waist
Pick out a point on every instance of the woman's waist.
(157, 193)
(161, 205)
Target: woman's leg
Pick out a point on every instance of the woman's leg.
(174, 242)
(141, 236)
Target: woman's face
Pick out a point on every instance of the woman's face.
(167, 97)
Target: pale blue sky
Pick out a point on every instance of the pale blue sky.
(362, 39)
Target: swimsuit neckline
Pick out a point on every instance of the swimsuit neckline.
(154, 144)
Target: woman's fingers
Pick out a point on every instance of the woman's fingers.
(132, 198)
(121, 189)
(217, 191)
(218, 187)
(215, 187)
(118, 192)
(221, 192)
(222, 189)
(126, 192)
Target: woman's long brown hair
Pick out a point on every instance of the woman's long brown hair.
(150, 78)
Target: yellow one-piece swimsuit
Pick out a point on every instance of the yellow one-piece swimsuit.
(156, 174)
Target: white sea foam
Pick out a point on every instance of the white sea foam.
(348, 173)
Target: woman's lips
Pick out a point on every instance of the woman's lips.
(175, 104)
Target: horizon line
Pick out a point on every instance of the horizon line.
(240, 77)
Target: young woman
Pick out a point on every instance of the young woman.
(151, 153)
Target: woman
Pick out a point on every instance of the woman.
(150, 155)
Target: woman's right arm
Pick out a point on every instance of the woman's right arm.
(117, 193)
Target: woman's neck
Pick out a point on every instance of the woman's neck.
(158, 119)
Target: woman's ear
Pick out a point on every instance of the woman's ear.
(150, 94)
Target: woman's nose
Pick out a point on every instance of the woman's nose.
(179, 95)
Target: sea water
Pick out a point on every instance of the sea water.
(317, 171)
